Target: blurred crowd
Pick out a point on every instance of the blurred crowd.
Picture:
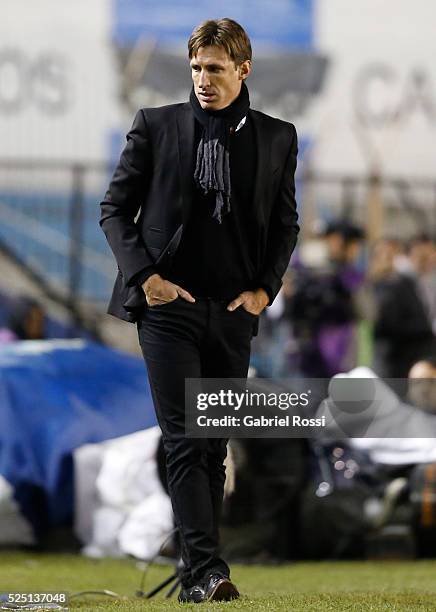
(345, 304)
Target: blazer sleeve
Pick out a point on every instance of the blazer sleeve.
(283, 228)
(122, 202)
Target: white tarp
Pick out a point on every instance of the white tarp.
(411, 421)
(120, 504)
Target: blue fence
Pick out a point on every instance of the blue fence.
(49, 222)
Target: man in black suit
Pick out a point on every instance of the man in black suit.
(214, 183)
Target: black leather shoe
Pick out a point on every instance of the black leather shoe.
(194, 594)
(218, 587)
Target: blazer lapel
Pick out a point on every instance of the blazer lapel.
(263, 149)
(186, 132)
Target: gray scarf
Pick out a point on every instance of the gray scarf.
(212, 170)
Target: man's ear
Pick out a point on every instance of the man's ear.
(244, 69)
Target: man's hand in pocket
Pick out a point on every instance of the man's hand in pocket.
(160, 291)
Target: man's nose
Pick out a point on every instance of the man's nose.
(203, 80)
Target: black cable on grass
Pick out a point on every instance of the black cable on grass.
(140, 592)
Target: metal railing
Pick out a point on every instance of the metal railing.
(49, 223)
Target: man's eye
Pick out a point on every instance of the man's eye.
(196, 68)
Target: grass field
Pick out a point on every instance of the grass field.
(322, 586)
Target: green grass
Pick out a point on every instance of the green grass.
(318, 586)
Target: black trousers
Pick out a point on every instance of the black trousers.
(202, 340)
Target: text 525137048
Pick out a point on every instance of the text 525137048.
(33, 600)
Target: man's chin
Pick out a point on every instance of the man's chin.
(212, 105)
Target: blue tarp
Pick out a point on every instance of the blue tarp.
(55, 396)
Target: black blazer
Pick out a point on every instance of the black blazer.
(155, 178)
